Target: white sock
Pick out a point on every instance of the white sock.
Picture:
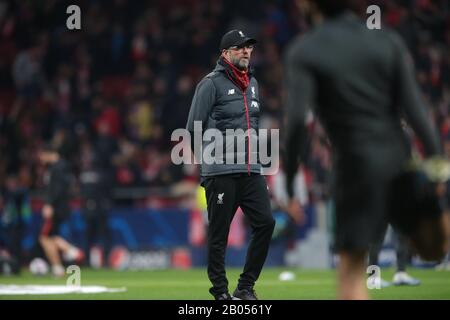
(71, 254)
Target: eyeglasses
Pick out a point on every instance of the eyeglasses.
(240, 48)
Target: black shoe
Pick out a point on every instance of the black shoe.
(245, 294)
(223, 296)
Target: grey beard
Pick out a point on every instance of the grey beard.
(241, 66)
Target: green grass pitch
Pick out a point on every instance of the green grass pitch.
(193, 285)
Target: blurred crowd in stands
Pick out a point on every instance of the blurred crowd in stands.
(113, 92)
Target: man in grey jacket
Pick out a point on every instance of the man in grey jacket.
(226, 102)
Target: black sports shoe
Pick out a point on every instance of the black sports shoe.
(245, 294)
(223, 296)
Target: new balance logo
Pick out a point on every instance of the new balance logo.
(241, 34)
(231, 91)
(255, 104)
(220, 198)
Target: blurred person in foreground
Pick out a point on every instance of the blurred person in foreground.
(55, 210)
(361, 82)
(228, 98)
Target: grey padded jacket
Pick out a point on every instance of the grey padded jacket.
(219, 103)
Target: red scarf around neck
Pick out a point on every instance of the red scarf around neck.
(240, 77)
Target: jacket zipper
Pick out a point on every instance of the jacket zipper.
(248, 119)
(248, 131)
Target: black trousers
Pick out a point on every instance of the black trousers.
(401, 248)
(225, 193)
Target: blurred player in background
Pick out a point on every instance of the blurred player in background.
(403, 255)
(360, 82)
(16, 213)
(96, 189)
(55, 210)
